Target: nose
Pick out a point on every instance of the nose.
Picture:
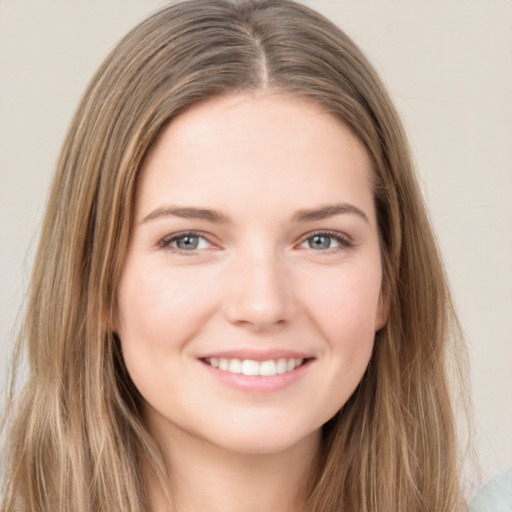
(259, 293)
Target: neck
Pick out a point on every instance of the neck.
(207, 477)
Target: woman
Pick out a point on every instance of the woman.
(238, 302)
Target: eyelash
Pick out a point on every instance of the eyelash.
(166, 242)
(344, 241)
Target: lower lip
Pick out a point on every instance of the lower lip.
(258, 383)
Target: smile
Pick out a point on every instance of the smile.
(250, 367)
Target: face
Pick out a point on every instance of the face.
(250, 296)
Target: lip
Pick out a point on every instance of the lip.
(258, 384)
(258, 355)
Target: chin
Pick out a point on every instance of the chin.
(268, 441)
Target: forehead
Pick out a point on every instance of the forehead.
(259, 146)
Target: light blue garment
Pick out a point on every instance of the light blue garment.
(495, 495)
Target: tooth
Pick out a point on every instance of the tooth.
(235, 366)
(250, 367)
(268, 368)
(281, 366)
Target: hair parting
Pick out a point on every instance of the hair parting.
(76, 438)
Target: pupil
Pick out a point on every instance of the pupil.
(320, 242)
(188, 243)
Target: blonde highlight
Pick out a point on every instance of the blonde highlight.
(76, 438)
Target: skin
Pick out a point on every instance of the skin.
(251, 278)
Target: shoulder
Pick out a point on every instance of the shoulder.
(495, 495)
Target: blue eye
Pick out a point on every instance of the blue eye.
(321, 242)
(325, 241)
(185, 242)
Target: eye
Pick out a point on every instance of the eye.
(325, 241)
(185, 242)
(321, 242)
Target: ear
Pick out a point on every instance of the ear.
(381, 316)
(111, 319)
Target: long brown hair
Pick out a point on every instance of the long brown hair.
(76, 440)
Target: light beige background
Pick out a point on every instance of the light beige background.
(448, 65)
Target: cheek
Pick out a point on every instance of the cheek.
(344, 309)
(345, 302)
(159, 311)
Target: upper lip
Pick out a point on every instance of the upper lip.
(258, 355)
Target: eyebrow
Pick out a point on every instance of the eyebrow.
(187, 212)
(214, 216)
(329, 211)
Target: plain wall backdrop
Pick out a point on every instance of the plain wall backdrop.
(448, 66)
